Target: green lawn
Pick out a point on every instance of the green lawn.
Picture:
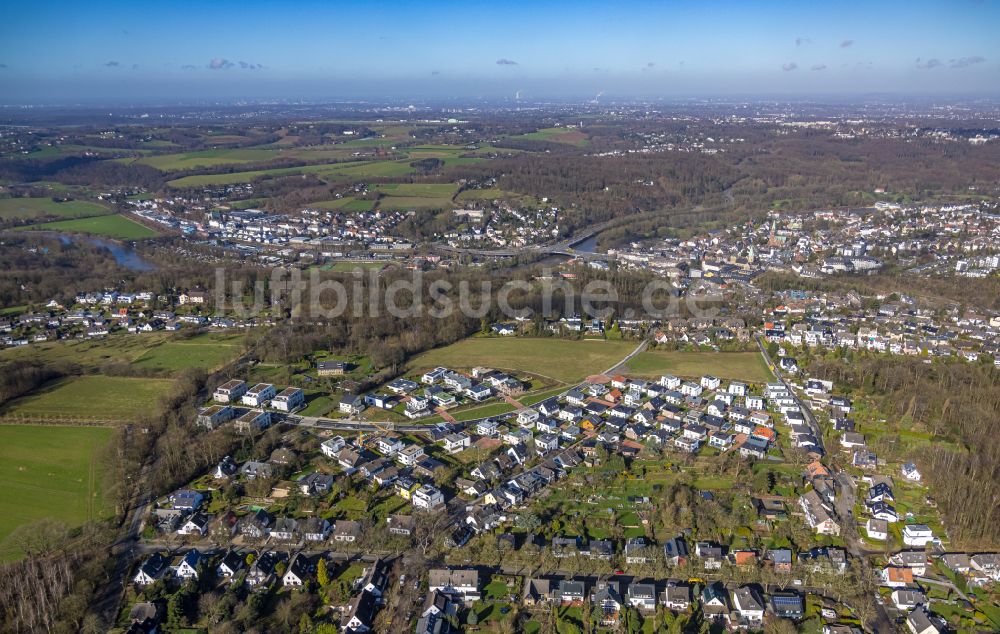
(49, 472)
(559, 359)
(741, 366)
(318, 404)
(113, 226)
(209, 351)
(494, 409)
(93, 397)
(18, 208)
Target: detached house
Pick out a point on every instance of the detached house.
(254, 421)
(352, 404)
(642, 596)
(749, 606)
(151, 570)
(289, 400)
(462, 584)
(230, 392)
(231, 565)
(818, 516)
(676, 597)
(258, 395)
(186, 566)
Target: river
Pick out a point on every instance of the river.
(124, 255)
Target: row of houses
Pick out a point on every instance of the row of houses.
(741, 607)
(260, 395)
(263, 569)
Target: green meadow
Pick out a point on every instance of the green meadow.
(49, 471)
(111, 226)
(19, 208)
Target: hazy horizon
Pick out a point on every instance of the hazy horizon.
(121, 53)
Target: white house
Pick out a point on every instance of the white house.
(527, 418)
(332, 446)
(710, 382)
(230, 391)
(749, 606)
(461, 583)
(917, 535)
(150, 570)
(691, 389)
(427, 497)
(389, 445)
(642, 596)
(352, 404)
(877, 529)
(197, 524)
(410, 455)
(670, 382)
(487, 427)
(432, 376)
(910, 472)
(454, 443)
(817, 515)
(186, 566)
(289, 400)
(737, 389)
(258, 395)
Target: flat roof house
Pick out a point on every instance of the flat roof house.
(230, 391)
(258, 395)
(289, 399)
(253, 421)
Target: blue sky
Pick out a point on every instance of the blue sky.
(106, 51)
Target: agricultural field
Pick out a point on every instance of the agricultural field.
(49, 472)
(418, 190)
(20, 208)
(209, 351)
(337, 171)
(557, 359)
(416, 195)
(739, 366)
(90, 354)
(557, 135)
(471, 195)
(376, 169)
(238, 156)
(92, 397)
(344, 204)
(111, 226)
(208, 158)
(401, 203)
